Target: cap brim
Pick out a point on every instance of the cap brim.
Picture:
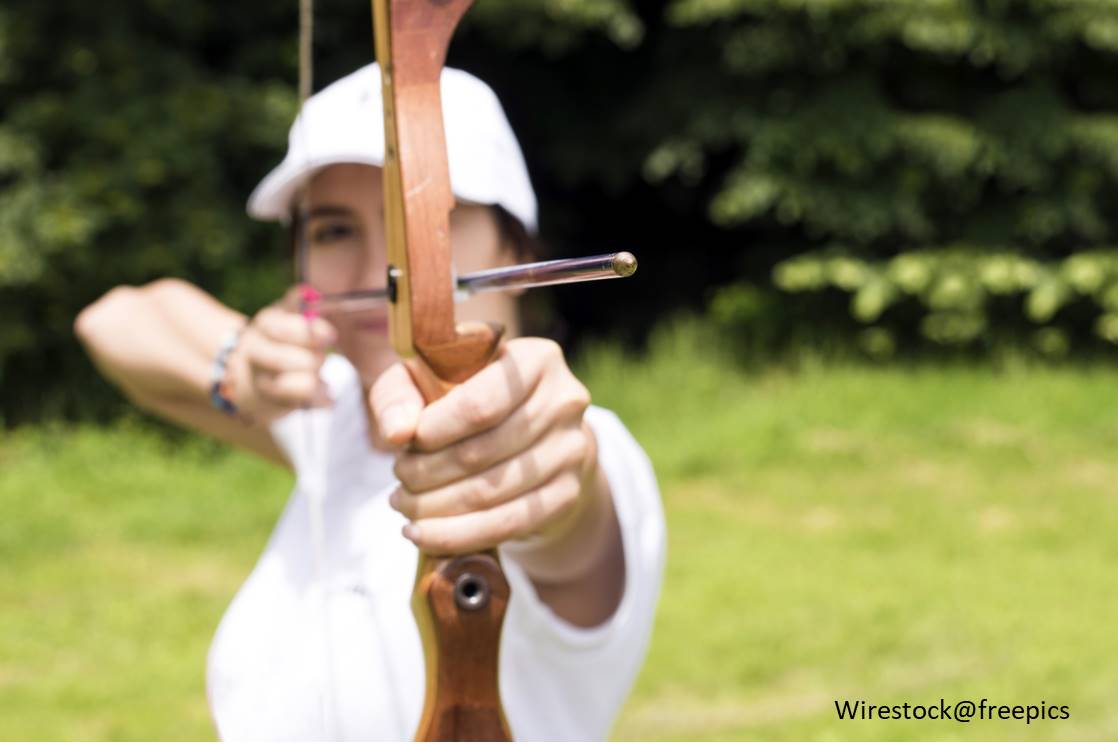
(273, 197)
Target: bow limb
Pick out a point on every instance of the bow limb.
(459, 602)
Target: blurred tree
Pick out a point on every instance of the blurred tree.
(962, 137)
(715, 137)
(128, 141)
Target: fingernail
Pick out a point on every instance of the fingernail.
(411, 532)
(394, 499)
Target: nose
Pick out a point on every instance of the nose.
(373, 270)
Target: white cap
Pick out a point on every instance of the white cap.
(344, 123)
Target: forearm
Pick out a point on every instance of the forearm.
(157, 343)
(157, 340)
(580, 575)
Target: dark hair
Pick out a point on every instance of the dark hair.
(525, 246)
(536, 309)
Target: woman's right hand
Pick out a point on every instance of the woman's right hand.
(275, 366)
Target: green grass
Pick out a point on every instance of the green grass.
(119, 553)
(837, 532)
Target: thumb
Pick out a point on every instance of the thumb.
(394, 407)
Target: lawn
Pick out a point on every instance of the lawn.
(838, 531)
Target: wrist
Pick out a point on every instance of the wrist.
(576, 546)
(227, 376)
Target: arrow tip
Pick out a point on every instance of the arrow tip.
(624, 264)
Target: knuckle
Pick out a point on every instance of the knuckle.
(282, 326)
(471, 454)
(126, 296)
(265, 319)
(568, 487)
(265, 384)
(271, 355)
(323, 330)
(475, 495)
(285, 384)
(580, 395)
(303, 360)
(259, 357)
(548, 349)
(104, 314)
(166, 284)
(405, 470)
(478, 410)
(575, 400)
(564, 505)
(304, 384)
(578, 446)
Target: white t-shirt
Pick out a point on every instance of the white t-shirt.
(330, 651)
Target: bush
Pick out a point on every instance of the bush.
(717, 138)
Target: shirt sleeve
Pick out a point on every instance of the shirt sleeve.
(580, 677)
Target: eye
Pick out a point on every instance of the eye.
(332, 232)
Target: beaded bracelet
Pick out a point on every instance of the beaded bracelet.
(219, 393)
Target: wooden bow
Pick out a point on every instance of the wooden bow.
(459, 602)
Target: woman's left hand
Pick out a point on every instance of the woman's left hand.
(504, 456)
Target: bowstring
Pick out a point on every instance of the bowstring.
(315, 466)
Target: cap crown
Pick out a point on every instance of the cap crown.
(344, 123)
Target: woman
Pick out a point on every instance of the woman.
(320, 643)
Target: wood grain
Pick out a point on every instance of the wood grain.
(459, 602)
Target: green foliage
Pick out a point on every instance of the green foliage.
(123, 151)
(948, 166)
(883, 140)
(959, 291)
(556, 26)
(130, 141)
(716, 137)
(884, 124)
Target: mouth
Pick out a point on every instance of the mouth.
(372, 325)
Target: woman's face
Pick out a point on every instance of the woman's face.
(346, 251)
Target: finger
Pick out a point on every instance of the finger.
(556, 403)
(292, 299)
(264, 354)
(298, 298)
(504, 481)
(489, 397)
(287, 326)
(395, 404)
(292, 389)
(423, 471)
(517, 519)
